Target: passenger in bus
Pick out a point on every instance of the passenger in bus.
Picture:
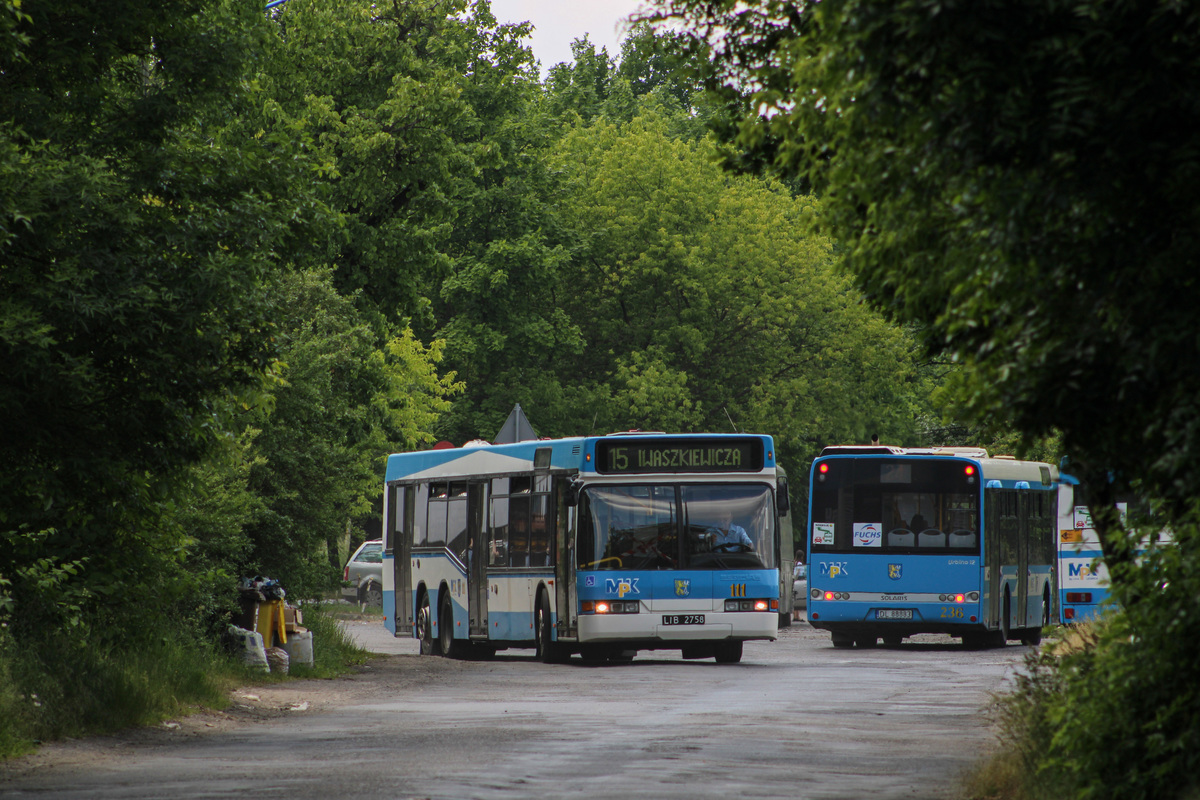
(918, 523)
(726, 536)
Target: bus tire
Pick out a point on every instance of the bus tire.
(1033, 636)
(866, 642)
(451, 647)
(1005, 630)
(728, 652)
(548, 651)
(841, 640)
(429, 645)
(785, 620)
(892, 640)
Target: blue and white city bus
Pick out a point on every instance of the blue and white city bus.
(601, 546)
(1082, 574)
(944, 540)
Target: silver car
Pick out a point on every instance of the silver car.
(799, 590)
(362, 580)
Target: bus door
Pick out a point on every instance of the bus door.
(400, 527)
(991, 542)
(1028, 507)
(564, 561)
(477, 580)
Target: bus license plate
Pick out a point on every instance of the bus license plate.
(683, 619)
(893, 613)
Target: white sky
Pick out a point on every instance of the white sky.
(557, 22)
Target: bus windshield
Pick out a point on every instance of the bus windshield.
(882, 505)
(665, 526)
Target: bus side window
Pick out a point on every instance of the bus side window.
(518, 531)
(539, 531)
(498, 553)
(420, 512)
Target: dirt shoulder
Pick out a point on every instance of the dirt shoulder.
(248, 706)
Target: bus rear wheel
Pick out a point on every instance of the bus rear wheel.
(1005, 630)
(841, 640)
(429, 647)
(450, 646)
(1033, 636)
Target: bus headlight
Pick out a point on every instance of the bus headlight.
(751, 605)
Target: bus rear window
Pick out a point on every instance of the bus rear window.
(892, 505)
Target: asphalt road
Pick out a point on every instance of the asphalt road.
(795, 719)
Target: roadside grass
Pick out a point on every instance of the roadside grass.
(1025, 728)
(57, 687)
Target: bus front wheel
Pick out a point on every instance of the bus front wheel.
(548, 651)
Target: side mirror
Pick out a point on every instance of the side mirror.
(782, 503)
(571, 495)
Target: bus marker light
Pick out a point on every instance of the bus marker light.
(958, 598)
(829, 595)
(1069, 613)
(601, 608)
(972, 618)
(969, 469)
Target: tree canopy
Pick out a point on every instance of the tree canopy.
(1018, 182)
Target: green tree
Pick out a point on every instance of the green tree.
(317, 452)
(1020, 182)
(708, 302)
(385, 95)
(137, 249)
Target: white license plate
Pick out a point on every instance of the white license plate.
(683, 619)
(893, 613)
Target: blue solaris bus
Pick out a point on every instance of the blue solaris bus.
(904, 541)
(601, 546)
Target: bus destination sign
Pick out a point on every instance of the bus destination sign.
(679, 455)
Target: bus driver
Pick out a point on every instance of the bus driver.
(728, 537)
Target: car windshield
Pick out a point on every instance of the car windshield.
(657, 527)
(371, 553)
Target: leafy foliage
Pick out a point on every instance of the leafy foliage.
(710, 303)
(317, 454)
(136, 257)
(1018, 182)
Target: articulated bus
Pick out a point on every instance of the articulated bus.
(1082, 575)
(601, 546)
(933, 540)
